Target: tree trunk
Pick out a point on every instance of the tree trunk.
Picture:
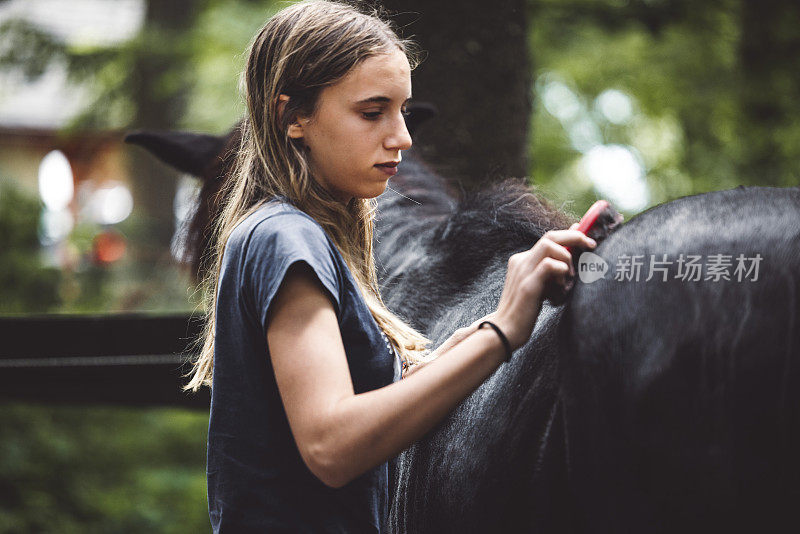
(769, 58)
(477, 73)
(160, 107)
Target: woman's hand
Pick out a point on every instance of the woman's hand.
(531, 275)
(544, 273)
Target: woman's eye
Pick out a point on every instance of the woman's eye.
(371, 115)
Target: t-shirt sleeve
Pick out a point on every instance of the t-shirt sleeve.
(275, 244)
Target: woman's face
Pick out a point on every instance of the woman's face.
(359, 125)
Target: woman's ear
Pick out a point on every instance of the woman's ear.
(295, 130)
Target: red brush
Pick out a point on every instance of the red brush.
(599, 221)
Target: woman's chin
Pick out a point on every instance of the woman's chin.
(376, 191)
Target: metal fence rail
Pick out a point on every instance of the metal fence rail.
(128, 359)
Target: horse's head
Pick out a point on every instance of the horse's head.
(209, 158)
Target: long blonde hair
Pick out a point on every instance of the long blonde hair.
(299, 51)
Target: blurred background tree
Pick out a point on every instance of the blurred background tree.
(27, 285)
(637, 101)
(702, 95)
(101, 469)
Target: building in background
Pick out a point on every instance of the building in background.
(82, 176)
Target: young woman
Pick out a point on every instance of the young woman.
(307, 404)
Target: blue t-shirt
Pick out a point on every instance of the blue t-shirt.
(257, 481)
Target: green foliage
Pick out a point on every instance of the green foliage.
(142, 279)
(158, 65)
(26, 48)
(25, 284)
(145, 278)
(85, 470)
(220, 38)
(684, 73)
(106, 71)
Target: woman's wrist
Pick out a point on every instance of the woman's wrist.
(497, 351)
(502, 323)
(507, 349)
(491, 335)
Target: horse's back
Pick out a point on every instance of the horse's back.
(682, 396)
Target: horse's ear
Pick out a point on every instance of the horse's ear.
(419, 112)
(188, 152)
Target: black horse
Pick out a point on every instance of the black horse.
(496, 464)
(668, 404)
(682, 398)
(662, 405)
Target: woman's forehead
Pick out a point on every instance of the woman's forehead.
(377, 78)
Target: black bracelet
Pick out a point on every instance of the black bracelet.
(503, 337)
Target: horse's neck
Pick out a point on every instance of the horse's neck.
(416, 204)
(432, 247)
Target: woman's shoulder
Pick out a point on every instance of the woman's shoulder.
(274, 236)
(277, 219)
(279, 229)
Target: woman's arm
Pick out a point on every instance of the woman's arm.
(455, 338)
(341, 435)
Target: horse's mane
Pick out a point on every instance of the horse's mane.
(423, 217)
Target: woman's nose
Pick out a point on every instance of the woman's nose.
(398, 138)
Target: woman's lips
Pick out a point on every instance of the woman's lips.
(391, 170)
